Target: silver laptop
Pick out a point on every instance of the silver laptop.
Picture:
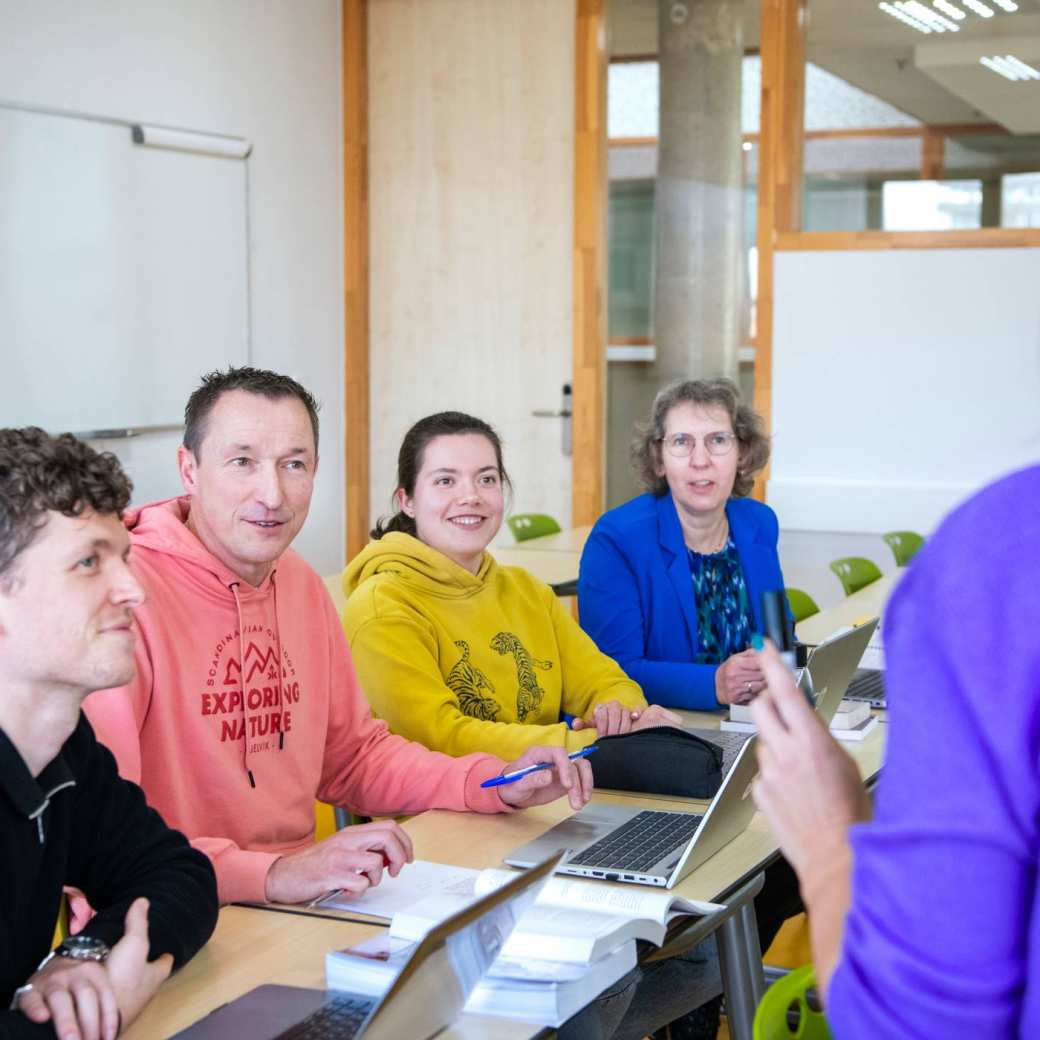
(832, 666)
(649, 848)
(426, 998)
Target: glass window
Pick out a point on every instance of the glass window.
(931, 134)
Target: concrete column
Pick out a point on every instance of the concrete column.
(700, 284)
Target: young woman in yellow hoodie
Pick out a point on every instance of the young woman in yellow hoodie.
(461, 654)
(455, 651)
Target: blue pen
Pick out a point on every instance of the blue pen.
(510, 778)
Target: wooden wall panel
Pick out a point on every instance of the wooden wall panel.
(471, 162)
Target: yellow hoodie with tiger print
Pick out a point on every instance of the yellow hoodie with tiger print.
(463, 662)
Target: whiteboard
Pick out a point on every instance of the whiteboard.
(903, 381)
(124, 273)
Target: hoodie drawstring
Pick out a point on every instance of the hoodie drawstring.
(241, 684)
(278, 645)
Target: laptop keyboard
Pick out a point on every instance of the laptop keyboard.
(638, 845)
(868, 685)
(339, 1018)
(730, 742)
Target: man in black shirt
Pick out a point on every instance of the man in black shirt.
(66, 817)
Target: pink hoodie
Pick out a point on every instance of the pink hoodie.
(232, 747)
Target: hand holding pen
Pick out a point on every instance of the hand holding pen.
(543, 774)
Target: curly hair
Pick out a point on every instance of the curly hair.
(753, 443)
(40, 474)
(214, 385)
(413, 449)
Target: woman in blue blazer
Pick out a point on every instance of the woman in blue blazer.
(671, 582)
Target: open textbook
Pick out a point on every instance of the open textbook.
(573, 920)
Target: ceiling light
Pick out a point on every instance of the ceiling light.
(1006, 5)
(979, 8)
(1010, 67)
(895, 12)
(935, 21)
(954, 12)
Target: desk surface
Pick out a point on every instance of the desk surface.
(253, 946)
(867, 603)
(551, 566)
(571, 540)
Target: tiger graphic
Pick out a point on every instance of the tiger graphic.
(529, 694)
(466, 682)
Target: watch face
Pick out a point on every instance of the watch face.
(83, 948)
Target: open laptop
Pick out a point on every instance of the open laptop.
(647, 847)
(426, 998)
(832, 666)
(868, 684)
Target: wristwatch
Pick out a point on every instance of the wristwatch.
(83, 948)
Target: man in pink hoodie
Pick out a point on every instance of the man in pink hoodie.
(245, 707)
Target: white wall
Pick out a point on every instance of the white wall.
(902, 381)
(471, 130)
(268, 71)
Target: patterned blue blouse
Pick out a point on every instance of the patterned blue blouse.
(724, 617)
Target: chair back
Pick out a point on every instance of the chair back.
(532, 525)
(801, 603)
(904, 545)
(784, 1013)
(855, 572)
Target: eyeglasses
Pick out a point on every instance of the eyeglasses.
(681, 445)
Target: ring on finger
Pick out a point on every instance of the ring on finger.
(747, 686)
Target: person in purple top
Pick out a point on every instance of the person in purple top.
(925, 919)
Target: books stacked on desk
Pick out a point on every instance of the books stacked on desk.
(578, 939)
(852, 720)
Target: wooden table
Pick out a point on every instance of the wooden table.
(551, 566)
(253, 946)
(852, 610)
(571, 540)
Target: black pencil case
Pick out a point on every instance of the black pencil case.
(662, 760)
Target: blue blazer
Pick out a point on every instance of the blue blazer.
(635, 592)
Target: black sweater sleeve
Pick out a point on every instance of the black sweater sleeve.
(121, 849)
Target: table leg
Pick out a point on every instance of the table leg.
(741, 962)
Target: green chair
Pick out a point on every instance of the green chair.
(802, 604)
(532, 525)
(904, 545)
(855, 572)
(784, 1013)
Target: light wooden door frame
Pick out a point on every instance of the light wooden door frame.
(354, 65)
(588, 462)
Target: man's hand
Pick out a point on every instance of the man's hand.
(739, 678)
(88, 1000)
(352, 859)
(574, 778)
(808, 787)
(613, 717)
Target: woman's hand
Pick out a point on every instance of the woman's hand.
(739, 678)
(808, 787)
(613, 717)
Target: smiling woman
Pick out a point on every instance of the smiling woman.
(453, 650)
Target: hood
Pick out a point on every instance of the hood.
(415, 562)
(162, 527)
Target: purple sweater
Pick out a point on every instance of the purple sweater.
(942, 939)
